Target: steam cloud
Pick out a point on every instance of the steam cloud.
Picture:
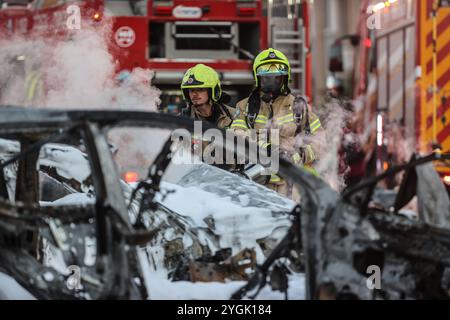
(78, 73)
(328, 143)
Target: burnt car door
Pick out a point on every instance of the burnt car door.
(65, 229)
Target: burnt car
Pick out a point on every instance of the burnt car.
(93, 205)
(367, 243)
(73, 226)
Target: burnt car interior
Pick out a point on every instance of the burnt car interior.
(332, 238)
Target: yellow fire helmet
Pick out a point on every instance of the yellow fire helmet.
(271, 61)
(201, 76)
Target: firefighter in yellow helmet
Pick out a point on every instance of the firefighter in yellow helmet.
(271, 105)
(202, 92)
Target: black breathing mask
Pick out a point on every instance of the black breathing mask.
(271, 86)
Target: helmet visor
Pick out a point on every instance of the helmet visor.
(272, 69)
(271, 82)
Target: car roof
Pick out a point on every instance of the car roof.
(13, 117)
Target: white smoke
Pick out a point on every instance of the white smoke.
(360, 133)
(78, 73)
(328, 142)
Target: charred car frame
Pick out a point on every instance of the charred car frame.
(336, 236)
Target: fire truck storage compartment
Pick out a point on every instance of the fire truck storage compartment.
(249, 36)
(396, 75)
(202, 39)
(157, 43)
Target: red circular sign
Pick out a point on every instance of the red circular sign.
(125, 36)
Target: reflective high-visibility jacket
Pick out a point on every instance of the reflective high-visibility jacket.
(281, 114)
